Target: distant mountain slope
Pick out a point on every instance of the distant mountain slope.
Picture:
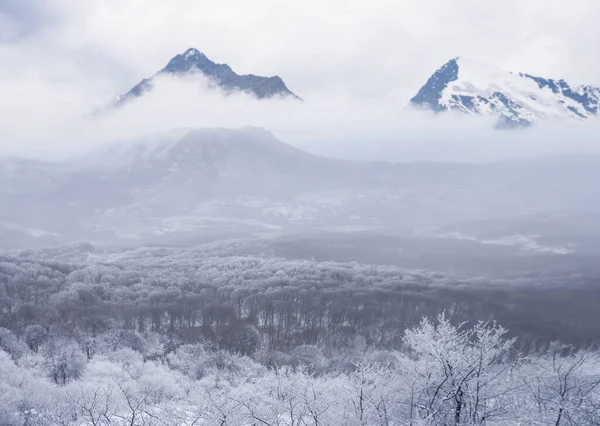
(519, 99)
(191, 183)
(193, 61)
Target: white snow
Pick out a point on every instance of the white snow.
(192, 52)
(524, 242)
(478, 79)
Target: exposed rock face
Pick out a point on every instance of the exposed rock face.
(194, 61)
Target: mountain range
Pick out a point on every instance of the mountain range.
(196, 182)
(221, 75)
(518, 99)
(461, 84)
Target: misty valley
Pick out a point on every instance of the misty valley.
(224, 277)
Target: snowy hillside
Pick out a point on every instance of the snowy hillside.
(519, 99)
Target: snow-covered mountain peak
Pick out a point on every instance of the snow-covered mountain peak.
(477, 88)
(192, 52)
(192, 61)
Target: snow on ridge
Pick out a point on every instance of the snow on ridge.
(524, 242)
(480, 89)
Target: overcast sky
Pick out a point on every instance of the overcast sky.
(371, 48)
(65, 55)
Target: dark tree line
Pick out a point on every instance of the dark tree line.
(251, 302)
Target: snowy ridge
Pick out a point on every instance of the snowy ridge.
(518, 99)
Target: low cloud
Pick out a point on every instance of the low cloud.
(356, 68)
(59, 120)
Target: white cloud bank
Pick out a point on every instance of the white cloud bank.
(357, 64)
(51, 122)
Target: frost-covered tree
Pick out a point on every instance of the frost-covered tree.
(459, 375)
(241, 338)
(374, 395)
(11, 344)
(565, 387)
(64, 359)
(34, 336)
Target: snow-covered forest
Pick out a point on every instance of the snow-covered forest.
(229, 334)
(446, 375)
